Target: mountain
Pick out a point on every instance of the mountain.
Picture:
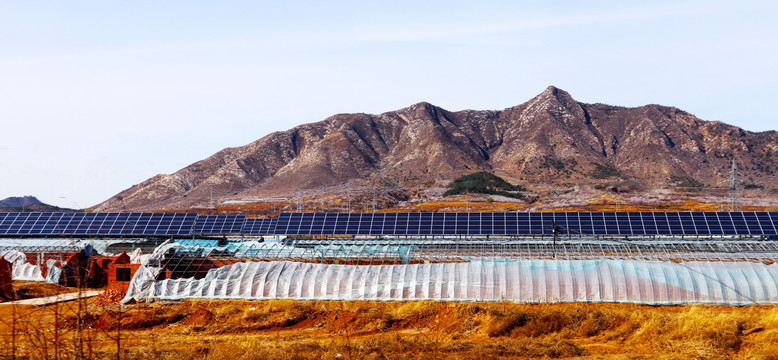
(19, 201)
(550, 139)
(27, 203)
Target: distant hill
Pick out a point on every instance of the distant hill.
(28, 203)
(550, 140)
(19, 201)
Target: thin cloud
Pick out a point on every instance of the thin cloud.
(440, 33)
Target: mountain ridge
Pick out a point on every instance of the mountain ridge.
(28, 203)
(19, 201)
(549, 138)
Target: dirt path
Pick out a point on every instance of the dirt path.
(54, 298)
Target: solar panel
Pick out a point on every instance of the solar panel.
(584, 224)
(768, 224)
(740, 223)
(487, 223)
(51, 223)
(390, 224)
(341, 223)
(325, 224)
(251, 226)
(28, 223)
(60, 227)
(118, 224)
(46, 224)
(269, 226)
(176, 224)
(511, 223)
(282, 224)
(16, 225)
(219, 224)
(573, 224)
(714, 225)
(378, 223)
(752, 222)
(3, 224)
(425, 223)
(315, 225)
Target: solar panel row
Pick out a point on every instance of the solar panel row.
(161, 224)
(96, 223)
(598, 223)
(567, 223)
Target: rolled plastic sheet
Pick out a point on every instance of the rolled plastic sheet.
(522, 281)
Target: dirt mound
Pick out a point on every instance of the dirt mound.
(201, 317)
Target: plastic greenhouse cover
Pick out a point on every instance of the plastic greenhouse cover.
(42, 245)
(101, 246)
(401, 251)
(20, 268)
(532, 280)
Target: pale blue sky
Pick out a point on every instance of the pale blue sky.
(96, 96)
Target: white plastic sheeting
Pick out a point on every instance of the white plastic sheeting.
(141, 285)
(531, 280)
(21, 269)
(138, 257)
(54, 275)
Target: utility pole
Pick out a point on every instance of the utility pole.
(299, 201)
(348, 191)
(211, 198)
(374, 199)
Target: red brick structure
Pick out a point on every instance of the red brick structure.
(119, 272)
(6, 288)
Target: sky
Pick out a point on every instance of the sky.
(96, 96)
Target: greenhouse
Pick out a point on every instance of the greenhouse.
(646, 272)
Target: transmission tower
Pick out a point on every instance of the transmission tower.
(734, 195)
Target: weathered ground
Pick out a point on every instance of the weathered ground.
(283, 329)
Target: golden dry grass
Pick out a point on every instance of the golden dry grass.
(284, 329)
(36, 289)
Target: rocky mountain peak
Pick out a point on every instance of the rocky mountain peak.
(550, 139)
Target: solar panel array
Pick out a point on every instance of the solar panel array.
(96, 223)
(565, 223)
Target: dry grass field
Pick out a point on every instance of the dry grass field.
(283, 329)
